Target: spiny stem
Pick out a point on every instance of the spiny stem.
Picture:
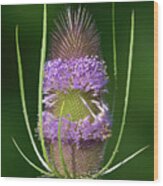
(60, 142)
(115, 167)
(41, 75)
(126, 98)
(30, 162)
(23, 101)
(114, 58)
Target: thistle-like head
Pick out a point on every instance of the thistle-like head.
(76, 75)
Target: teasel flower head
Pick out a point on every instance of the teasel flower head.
(76, 75)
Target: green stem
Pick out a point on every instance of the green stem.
(115, 167)
(30, 162)
(126, 98)
(41, 75)
(23, 102)
(114, 58)
(55, 170)
(60, 142)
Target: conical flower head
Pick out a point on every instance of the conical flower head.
(76, 75)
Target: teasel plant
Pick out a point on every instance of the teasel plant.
(74, 120)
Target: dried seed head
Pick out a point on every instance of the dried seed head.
(75, 35)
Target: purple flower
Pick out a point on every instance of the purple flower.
(76, 132)
(85, 73)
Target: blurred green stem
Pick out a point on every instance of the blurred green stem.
(130, 56)
(114, 58)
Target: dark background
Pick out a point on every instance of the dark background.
(140, 117)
